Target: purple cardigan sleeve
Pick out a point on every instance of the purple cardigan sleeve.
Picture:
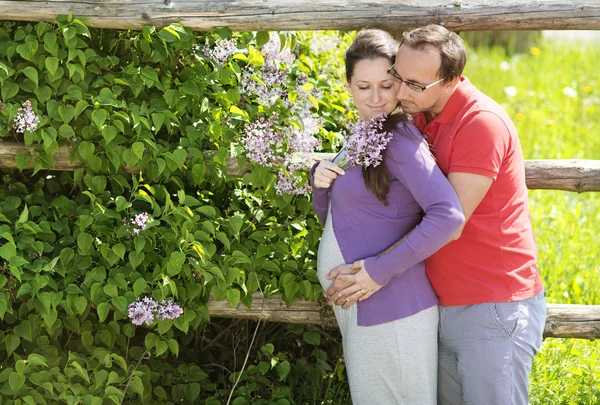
(409, 160)
(320, 197)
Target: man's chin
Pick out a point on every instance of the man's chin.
(409, 108)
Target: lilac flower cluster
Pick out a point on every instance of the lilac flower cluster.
(221, 52)
(272, 76)
(273, 53)
(269, 88)
(137, 223)
(26, 119)
(287, 149)
(366, 143)
(261, 141)
(3, 107)
(145, 310)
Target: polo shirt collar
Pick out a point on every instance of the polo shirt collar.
(456, 102)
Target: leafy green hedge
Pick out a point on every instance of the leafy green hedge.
(166, 105)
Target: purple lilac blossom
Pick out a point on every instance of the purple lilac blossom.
(142, 311)
(268, 89)
(260, 141)
(168, 310)
(26, 120)
(366, 142)
(137, 223)
(273, 53)
(145, 310)
(221, 52)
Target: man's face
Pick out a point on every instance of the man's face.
(419, 67)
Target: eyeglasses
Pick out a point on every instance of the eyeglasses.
(413, 86)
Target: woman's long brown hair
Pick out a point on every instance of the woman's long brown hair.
(370, 44)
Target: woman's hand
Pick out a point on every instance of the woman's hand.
(360, 286)
(325, 173)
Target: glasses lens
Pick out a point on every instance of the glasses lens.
(414, 87)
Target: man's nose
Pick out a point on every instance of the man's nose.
(401, 91)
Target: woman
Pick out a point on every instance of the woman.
(405, 208)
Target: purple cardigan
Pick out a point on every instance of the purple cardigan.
(420, 199)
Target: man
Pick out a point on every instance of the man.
(492, 304)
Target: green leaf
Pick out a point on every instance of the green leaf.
(23, 160)
(86, 150)
(233, 296)
(235, 223)
(180, 156)
(32, 74)
(173, 347)
(150, 340)
(11, 342)
(8, 251)
(81, 304)
(138, 149)
(24, 290)
(43, 93)
(161, 347)
(51, 65)
(192, 391)
(136, 258)
(283, 369)
(120, 303)
(69, 33)
(84, 242)
(239, 114)
(109, 133)
(9, 90)
(66, 113)
(119, 249)
(35, 360)
(99, 116)
(139, 286)
(16, 382)
(312, 337)
(66, 254)
(80, 371)
(111, 290)
(102, 310)
(137, 386)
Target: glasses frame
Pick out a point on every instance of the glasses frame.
(419, 89)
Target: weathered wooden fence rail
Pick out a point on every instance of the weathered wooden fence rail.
(552, 174)
(563, 321)
(257, 15)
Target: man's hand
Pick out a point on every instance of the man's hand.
(338, 284)
(349, 288)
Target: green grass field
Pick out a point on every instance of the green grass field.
(553, 95)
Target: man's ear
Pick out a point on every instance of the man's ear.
(452, 83)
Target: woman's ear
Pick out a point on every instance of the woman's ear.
(346, 84)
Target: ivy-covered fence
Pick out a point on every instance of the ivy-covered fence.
(152, 116)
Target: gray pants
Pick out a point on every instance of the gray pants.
(394, 363)
(486, 351)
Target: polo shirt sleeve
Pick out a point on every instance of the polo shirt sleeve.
(409, 160)
(320, 197)
(480, 145)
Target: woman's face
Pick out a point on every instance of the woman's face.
(373, 89)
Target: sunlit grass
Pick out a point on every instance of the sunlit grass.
(553, 95)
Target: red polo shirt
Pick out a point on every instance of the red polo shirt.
(494, 260)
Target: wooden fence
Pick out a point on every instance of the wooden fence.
(257, 15)
(571, 321)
